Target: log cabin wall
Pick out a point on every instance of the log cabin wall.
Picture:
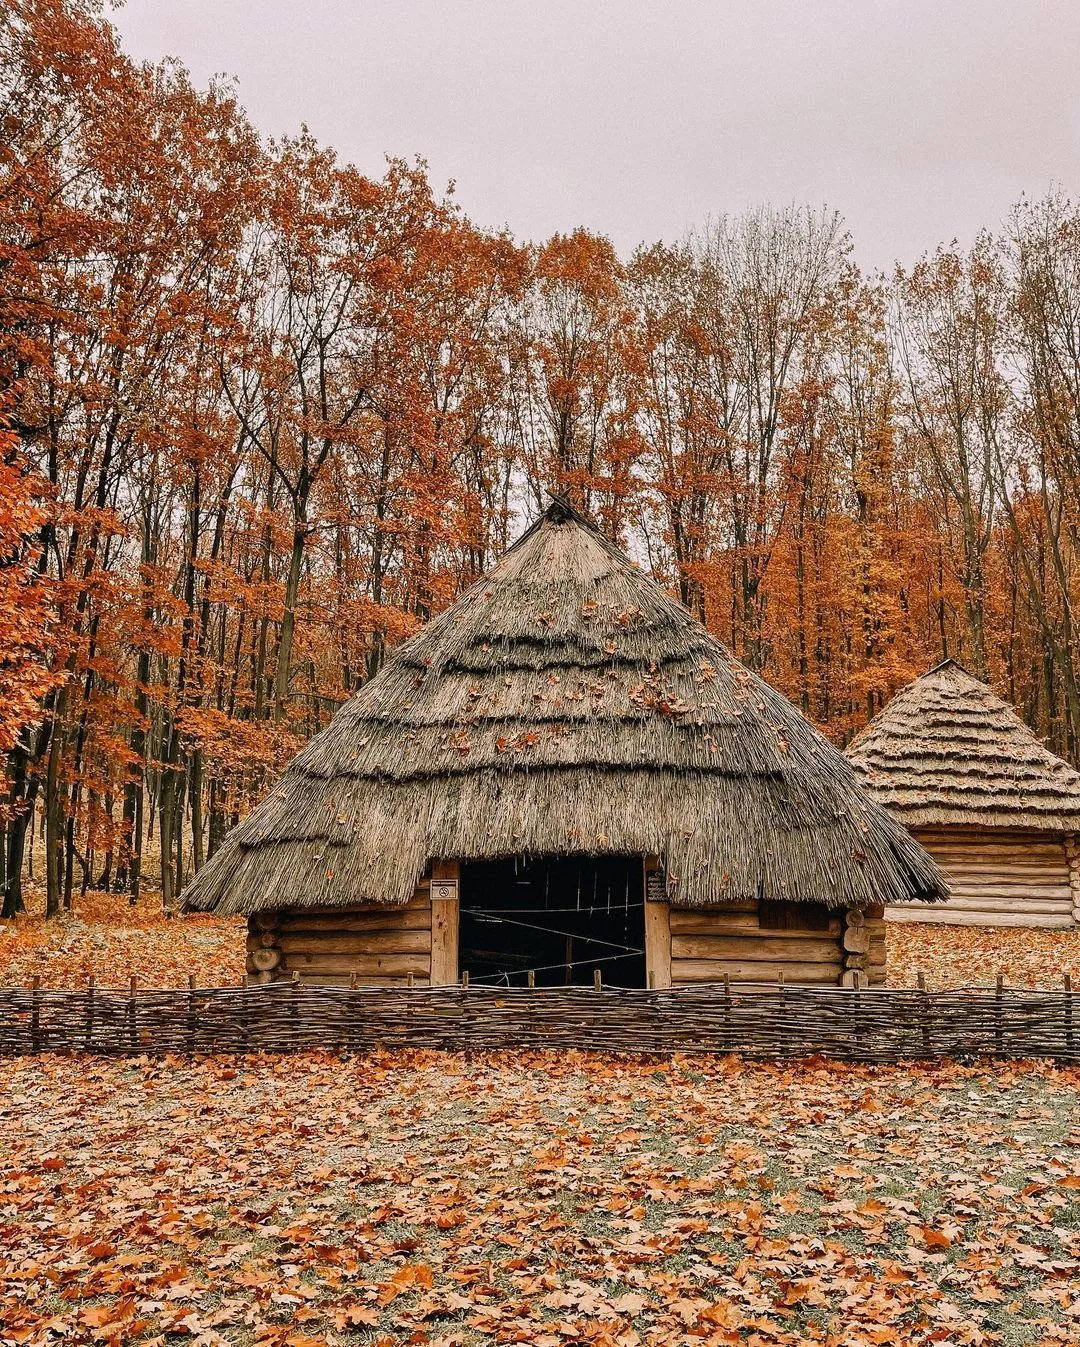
(999, 878)
(751, 942)
(379, 946)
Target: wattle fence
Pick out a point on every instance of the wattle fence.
(763, 1021)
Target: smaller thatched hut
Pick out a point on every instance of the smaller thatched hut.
(562, 775)
(994, 807)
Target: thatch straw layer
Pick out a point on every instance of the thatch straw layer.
(947, 752)
(567, 705)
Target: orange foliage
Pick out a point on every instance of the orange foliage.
(270, 414)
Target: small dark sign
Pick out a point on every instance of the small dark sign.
(656, 886)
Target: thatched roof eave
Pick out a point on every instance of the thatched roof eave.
(695, 759)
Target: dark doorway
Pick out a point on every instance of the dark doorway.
(560, 917)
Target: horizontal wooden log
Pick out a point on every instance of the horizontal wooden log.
(737, 924)
(714, 970)
(1004, 879)
(375, 965)
(368, 980)
(359, 942)
(743, 949)
(265, 960)
(992, 902)
(941, 915)
(719, 910)
(266, 921)
(413, 918)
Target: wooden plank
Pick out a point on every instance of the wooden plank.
(657, 945)
(942, 915)
(993, 903)
(400, 919)
(383, 919)
(744, 906)
(377, 965)
(346, 980)
(688, 922)
(364, 942)
(445, 914)
(742, 948)
(713, 970)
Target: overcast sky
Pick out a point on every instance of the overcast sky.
(920, 120)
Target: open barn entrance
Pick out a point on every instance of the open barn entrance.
(559, 917)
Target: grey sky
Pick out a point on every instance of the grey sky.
(920, 120)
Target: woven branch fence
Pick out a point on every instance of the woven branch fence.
(865, 1025)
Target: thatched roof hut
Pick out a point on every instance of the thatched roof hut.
(957, 765)
(567, 706)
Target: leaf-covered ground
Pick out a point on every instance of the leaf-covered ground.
(429, 1199)
(105, 937)
(965, 956)
(113, 941)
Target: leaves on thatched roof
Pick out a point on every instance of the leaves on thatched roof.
(566, 704)
(947, 751)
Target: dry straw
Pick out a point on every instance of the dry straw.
(568, 705)
(947, 752)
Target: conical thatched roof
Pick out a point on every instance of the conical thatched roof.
(947, 751)
(566, 705)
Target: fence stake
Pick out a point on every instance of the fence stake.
(352, 982)
(133, 1031)
(408, 980)
(924, 1014)
(90, 1013)
(999, 1027)
(192, 1018)
(530, 977)
(35, 1014)
(596, 979)
(727, 1012)
(1068, 1014)
(464, 979)
(856, 1002)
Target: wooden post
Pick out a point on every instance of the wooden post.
(999, 1027)
(90, 1014)
(596, 979)
(133, 1029)
(464, 979)
(1068, 1014)
(445, 913)
(727, 1012)
(657, 929)
(35, 1014)
(192, 1016)
(530, 977)
(924, 1014)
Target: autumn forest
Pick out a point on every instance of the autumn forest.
(263, 415)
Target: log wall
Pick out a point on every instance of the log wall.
(1000, 878)
(340, 946)
(731, 941)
